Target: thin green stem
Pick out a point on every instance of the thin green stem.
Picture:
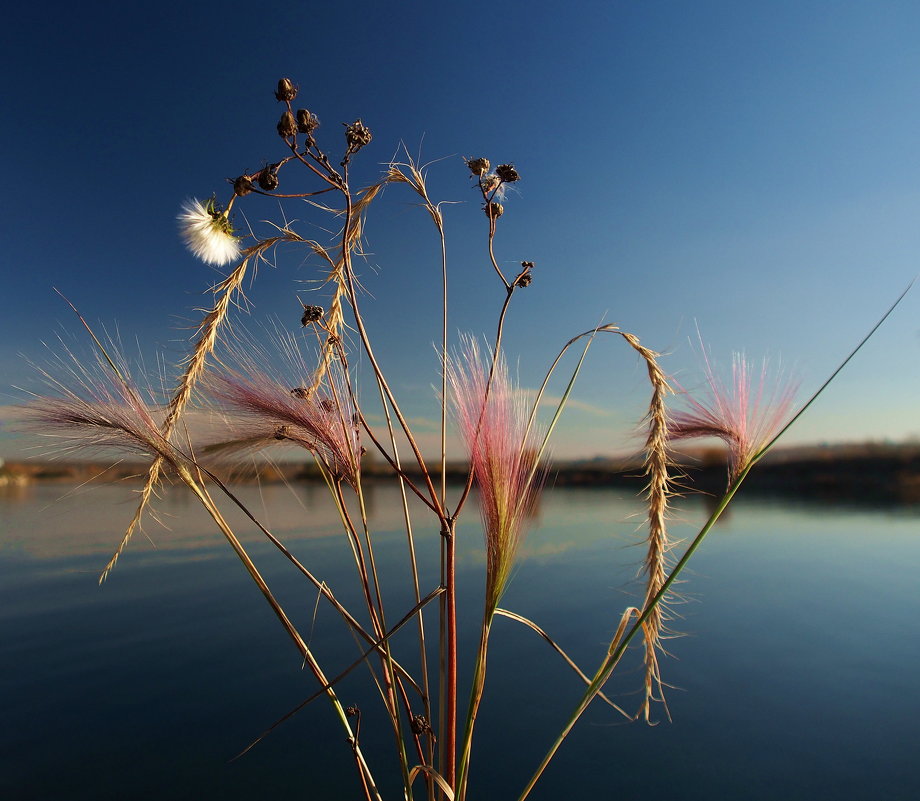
(476, 692)
(618, 645)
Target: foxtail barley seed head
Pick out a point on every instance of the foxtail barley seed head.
(262, 410)
(492, 418)
(93, 409)
(745, 414)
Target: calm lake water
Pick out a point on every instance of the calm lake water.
(796, 677)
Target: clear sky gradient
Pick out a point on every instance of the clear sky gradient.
(751, 169)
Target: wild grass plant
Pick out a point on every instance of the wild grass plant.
(307, 395)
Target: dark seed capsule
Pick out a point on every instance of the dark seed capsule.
(357, 135)
(312, 314)
(307, 122)
(268, 179)
(507, 173)
(286, 91)
(494, 210)
(478, 167)
(242, 185)
(420, 725)
(524, 280)
(287, 125)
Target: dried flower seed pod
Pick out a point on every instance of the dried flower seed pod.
(307, 122)
(312, 314)
(357, 135)
(281, 432)
(494, 210)
(489, 182)
(286, 91)
(478, 167)
(268, 178)
(507, 173)
(352, 711)
(287, 125)
(300, 392)
(420, 725)
(242, 185)
(524, 280)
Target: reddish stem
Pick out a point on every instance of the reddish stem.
(450, 595)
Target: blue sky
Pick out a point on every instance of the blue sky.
(750, 169)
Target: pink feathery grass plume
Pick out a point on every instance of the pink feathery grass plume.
(746, 414)
(266, 408)
(96, 408)
(503, 451)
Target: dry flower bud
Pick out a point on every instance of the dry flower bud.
(307, 122)
(507, 173)
(300, 392)
(351, 711)
(312, 314)
(357, 135)
(420, 725)
(287, 125)
(281, 432)
(286, 91)
(494, 210)
(524, 280)
(478, 166)
(242, 185)
(268, 178)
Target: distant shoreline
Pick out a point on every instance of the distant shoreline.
(865, 472)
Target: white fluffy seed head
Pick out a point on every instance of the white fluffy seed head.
(208, 235)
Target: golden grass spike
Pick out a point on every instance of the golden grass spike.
(335, 319)
(658, 545)
(204, 347)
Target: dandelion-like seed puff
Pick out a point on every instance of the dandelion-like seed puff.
(207, 232)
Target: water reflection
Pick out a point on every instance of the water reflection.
(797, 679)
